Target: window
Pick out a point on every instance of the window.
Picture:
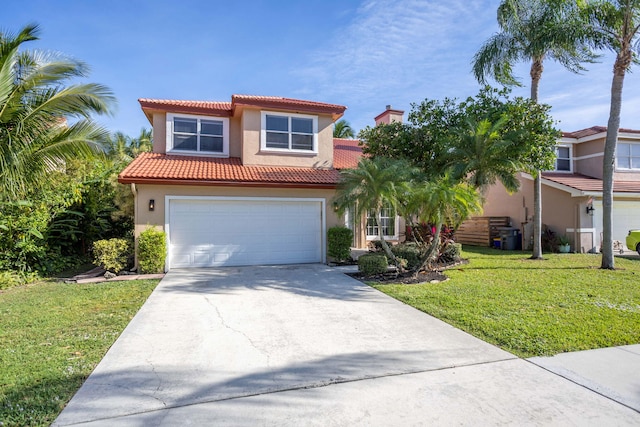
(388, 223)
(294, 132)
(563, 158)
(628, 156)
(195, 134)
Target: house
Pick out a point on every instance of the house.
(572, 192)
(245, 182)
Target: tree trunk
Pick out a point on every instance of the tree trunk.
(433, 250)
(385, 246)
(536, 74)
(537, 217)
(608, 164)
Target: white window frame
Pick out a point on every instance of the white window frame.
(555, 166)
(199, 118)
(263, 132)
(618, 168)
(396, 225)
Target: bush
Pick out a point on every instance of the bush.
(9, 279)
(339, 241)
(112, 254)
(450, 253)
(372, 264)
(410, 252)
(152, 251)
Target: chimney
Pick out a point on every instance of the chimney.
(389, 115)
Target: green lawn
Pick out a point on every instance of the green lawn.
(52, 335)
(532, 308)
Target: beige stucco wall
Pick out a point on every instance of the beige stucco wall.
(159, 132)
(559, 210)
(253, 155)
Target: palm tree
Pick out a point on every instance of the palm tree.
(374, 184)
(342, 129)
(35, 103)
(479, 156)
(532, 31)
(615, 25)
(443, 201)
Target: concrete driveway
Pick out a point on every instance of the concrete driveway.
(307, 345)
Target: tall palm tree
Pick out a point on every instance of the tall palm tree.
(532, 31)
(374, 184)
(342, 129)
(478, 156)
(35, 103)
(616, 26)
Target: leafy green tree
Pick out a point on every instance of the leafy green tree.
(374, 184)
(342, 129)
(35, 103)
(532, 31)
(614, 25)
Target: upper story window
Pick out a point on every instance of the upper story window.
(197, 134)
(387, 222)
(289, 132)
(628, 156)
(563, 158)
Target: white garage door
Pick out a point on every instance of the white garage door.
(626, 216)
(214, 233)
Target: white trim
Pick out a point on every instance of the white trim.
(618, 169)
(372, 237)
(591, 230)
(263, 132)
(570, 147)
(589, 156)
(322, 201)
(225, 135)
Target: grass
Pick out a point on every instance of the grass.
(52, 335)
(535, 307)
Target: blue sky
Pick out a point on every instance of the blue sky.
(364, 54)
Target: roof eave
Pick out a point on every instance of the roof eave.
(203, 182)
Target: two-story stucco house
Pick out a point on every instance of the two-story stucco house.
(572, 193)
(245, 182)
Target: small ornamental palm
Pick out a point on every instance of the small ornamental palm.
(35, 103)
(374, 184)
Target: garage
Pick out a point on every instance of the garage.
(229, 231)
(626, 216)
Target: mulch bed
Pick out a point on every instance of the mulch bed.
(434, 276)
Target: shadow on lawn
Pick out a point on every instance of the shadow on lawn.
(37, 403)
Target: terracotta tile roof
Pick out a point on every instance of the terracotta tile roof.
(176, 169)
(589, 184)
(593, 130)
(178, 106)
(228, 108)
(288, 103)
(346, 153)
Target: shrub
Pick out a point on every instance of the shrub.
(112, 254)
(339, 243)
(450, 253)
(9, 279)
(152, 251)
(372, 264)
(410, 252)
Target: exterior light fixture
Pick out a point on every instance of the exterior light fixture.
(152, 205)
(590, 209)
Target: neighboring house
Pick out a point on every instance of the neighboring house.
(572, 193)
(245, 182)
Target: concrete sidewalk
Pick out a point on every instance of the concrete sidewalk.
(307, 345)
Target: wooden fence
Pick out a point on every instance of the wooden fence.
(480, 230)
